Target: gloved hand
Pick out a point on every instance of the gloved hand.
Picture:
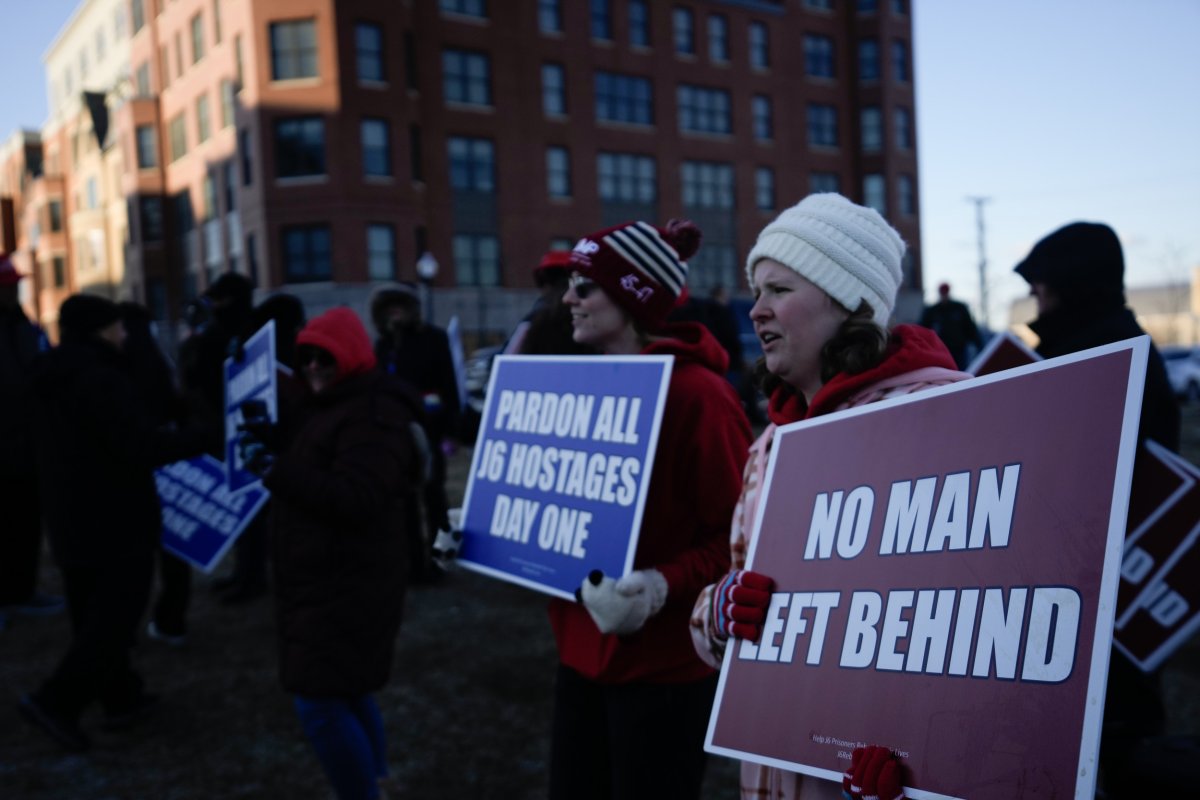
(874, 774)
(739, 604)
(448, 542)
(623, 606)
(256, 456)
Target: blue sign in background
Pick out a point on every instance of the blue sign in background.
(251, 378)
(561, 466)
(201, 517)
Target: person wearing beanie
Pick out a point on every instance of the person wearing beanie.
(418, 353)
(338, 485)
(632, 700)
(1077, 274)
(825, 274)
(96, 447)
(546, 330)
(21, 535)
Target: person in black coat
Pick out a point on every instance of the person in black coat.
(951, 320)
(338, 546)
(1077, 274)
(96, 450)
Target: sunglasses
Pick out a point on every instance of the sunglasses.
(582, 286)
(310, 355)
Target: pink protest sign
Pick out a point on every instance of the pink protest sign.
(1003, 351)
(1166, 611)
(946, 568)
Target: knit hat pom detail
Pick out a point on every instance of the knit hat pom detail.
(684, 236)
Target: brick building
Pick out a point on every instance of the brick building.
(322, 145)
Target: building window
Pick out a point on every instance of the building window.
(822, 125)
(142, 80)
(868, 6)
(703, 110)
(900, 61)
(904, 133)
(707, 185)
(293, 49)
(472, 164)
(626, 178)
(868, 60)
(818, 56)
(718, 38)
(875, 193)
(93, 193)
(558, 172)
(178, 55)
(210, 195)
(764, 125)
(872, 129)
(59, 265)
(307, 253)
(760, 46)
(147, 150)
(907, 190)
(900, 8)
(203, 123)
(376, 149)
(819, 182)
(466, 77)
(54, 209)
(639, 23)
(368, 43)
(554, 90)
(246, 157)
(197, 38)
(216, 7)
(624, 98)
(550, 16)
(228, 108)
(299, 147)
(468, 8)
(477, 259)
(683, 31)
(601, 20)
(381, 252)
(177, 134)
(239, 70)
(139, 15)
(151, 211)
(416, 160)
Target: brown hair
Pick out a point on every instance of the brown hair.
(859, 344)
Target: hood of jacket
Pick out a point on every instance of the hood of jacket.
(909, 348)
(340, 331)
(689, 342)
(1082, 262)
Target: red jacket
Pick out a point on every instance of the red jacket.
(694, 486)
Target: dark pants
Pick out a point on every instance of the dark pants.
(174, 593)
(631, 741)
(105, 602)
(348, 737)
(250, 552)
(20, 541)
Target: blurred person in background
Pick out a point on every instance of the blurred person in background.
(337, 544)
(825, 275)
(951, 320)
(631, 698)
(21, 534)
(546, 329)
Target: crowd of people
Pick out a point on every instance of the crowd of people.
(356, 465)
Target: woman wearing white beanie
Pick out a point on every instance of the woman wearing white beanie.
(825, 274)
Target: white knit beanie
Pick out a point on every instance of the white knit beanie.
(848, 250)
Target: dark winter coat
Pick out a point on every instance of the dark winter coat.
(96, 451)
(422, 359)
(20, 343)
(337, 531)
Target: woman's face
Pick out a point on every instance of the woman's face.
(793, 319)
(597, 320)
(318, 366)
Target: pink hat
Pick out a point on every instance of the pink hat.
(8, 273)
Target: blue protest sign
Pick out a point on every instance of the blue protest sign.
(253, 377)
(201, 517)
(561, 466)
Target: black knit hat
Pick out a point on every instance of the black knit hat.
(81, 315)
(1080, 259)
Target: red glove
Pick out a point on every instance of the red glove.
(739, 604)
(874, 774)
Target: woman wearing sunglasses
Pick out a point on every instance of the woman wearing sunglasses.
(338, 547)
(825, 275)
(631, 697)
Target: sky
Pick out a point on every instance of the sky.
(1054, 110)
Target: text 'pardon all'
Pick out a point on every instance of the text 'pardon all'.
(569, 415)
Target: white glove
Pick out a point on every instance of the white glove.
(447, 543)
(623, 606)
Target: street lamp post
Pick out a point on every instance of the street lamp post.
(427, 270)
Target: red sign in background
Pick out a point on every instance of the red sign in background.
(978, 723)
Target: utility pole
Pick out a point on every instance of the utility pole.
(983, 283)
